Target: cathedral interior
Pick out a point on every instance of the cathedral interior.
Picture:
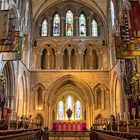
(70, 63)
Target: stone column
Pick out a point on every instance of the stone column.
(88, 119)
(89, 29)
(80, 61)
(100, 56)
(103, 99)
(58, 60)
(12, 102)
(38, 64)
(76, 63)
(91, 60)
(62, 29)
(69, 54)
(48, 60)
(76, 26)
(50, 26)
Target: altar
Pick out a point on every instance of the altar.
(69, 125)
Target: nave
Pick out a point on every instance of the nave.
(69, 67)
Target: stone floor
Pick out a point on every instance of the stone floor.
(69, 135)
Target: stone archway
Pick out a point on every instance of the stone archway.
(74, 86)
(116, 95)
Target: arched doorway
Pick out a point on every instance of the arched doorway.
(69, 89)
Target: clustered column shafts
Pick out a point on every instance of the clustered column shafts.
(2, 93)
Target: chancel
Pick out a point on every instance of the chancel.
(69, 69)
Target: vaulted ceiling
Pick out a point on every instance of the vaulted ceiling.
(100, 6)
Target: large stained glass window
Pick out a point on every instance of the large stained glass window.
(112, 12)
(69, 102)
(44, 28)
(78, 110)
(69, 23)
(60, 110)
(56, 25)
(94, 28)
(82, 25)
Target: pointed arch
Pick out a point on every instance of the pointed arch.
(39, 94)
(8, 72)
(83, 86)
(116, 96)
(101, 97)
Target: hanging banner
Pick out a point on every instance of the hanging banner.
(4, 24)
(132, 51)
(10, 45)
(120, 53)
(7, 56)
(135, 15)
(135, 18)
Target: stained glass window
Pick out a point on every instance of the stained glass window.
(82, 25)
(69, 23)
(69, 102)
(26, 14)
(56, 25)
(112, 12)
(44, 28)
(4, 5)
(60, 110)
(78, 110)
(94, 28)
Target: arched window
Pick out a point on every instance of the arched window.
(60, 110)
(56, 25)
(26, 14)
(4, 5)
(69, 23)
(69, 102)
(82, 25)
(112, 12)
(78, 110)
(94, 28)
(44, 28)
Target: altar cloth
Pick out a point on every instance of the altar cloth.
(69, 125)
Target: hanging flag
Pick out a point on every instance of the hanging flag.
(4, 24)
(13, 55)
(11, 44)
(135, 18)
(120, 53)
